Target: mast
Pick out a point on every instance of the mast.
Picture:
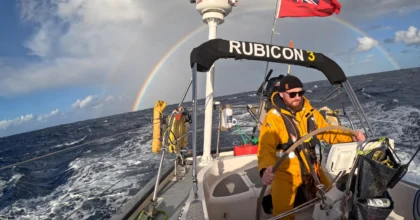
(213, 12)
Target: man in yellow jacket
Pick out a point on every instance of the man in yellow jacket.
(291, 111)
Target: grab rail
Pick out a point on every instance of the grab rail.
(416, 208)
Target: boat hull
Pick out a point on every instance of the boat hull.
(229, 187)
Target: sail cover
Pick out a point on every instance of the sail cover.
(207, 53)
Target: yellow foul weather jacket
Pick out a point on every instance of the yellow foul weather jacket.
(273, 133)
(274, 136)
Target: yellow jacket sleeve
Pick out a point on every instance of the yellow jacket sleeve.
(331, 136)
(268, 141)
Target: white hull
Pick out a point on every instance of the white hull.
(229, 187)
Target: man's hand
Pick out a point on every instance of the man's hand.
(360, 137)
(268, 176)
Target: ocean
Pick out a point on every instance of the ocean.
(109, 159)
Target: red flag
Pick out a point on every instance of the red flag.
(308, 8)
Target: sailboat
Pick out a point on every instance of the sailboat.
(227, 184)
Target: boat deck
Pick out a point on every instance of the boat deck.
(173, 193)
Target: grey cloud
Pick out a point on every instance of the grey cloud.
(120, 50)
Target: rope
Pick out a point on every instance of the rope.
(317, 104)
(366, 152)
(149, 217)
(297, 209)
(241, 133)
(64, 150)
(253, 140)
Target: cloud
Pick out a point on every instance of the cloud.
(45, 116)
(40, 44)
(409, 37)
(365, 44)
(379, 27)
(26, 119)
(95, 102)
(388, 41)
(79, 104)
(99, 106)
(370, 9)
(77, 27)
(352, 61)
(78, 42)
(116, 44)
(106, 101)
(84, 108)
(111, 11)
(368, 59)
(4, 124)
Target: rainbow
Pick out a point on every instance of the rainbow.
(161, 62)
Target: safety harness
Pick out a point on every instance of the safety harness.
(292, 129)
(308, 187)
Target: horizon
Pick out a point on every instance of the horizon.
(65, 61)
(188, 102)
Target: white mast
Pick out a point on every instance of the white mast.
(213, 12)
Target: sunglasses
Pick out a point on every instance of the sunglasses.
(293, 94)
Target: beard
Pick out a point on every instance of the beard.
(296, 106)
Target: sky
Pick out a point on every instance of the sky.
(70, 60)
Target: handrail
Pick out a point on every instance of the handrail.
(416, 204)
(165, 144)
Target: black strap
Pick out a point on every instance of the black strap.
(314, 141)
(293, 129)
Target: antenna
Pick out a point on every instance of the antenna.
(260, 90)
(213, 13)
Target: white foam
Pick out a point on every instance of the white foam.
(366, 94)
(400, 124)
(92, 176)
(70, 143)
(244, 119)
(2, 185)
(12, 182)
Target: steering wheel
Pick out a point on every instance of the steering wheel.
(291, 149)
